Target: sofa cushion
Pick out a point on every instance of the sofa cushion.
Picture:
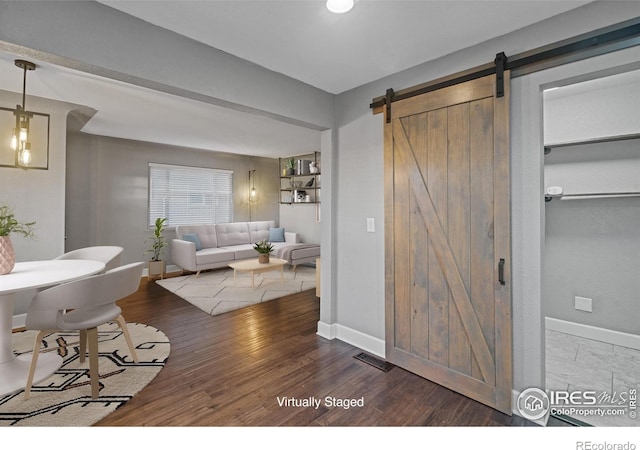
(235, 233)
(206, 234)
(276, 235)
(192, 237)
(242, 251)
(213, 255)
(259, 231)
(292, 252)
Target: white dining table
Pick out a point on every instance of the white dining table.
(32, 275)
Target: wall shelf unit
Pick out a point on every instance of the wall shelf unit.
(300, 181)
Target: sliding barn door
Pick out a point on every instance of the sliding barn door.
(447, 241)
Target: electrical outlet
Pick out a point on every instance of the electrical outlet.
(583, 304)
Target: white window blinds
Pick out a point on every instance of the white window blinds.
(190, 195)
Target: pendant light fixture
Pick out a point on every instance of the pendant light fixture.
(20, 142)
(340, 6)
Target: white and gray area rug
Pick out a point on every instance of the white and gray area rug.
(215, 292)
(64, 399)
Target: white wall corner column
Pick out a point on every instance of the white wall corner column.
(329, 263)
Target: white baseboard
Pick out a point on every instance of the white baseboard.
(326, 331)
(19, 321)
(594, 333)
(356, 338)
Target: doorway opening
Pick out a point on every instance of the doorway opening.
(591, 283)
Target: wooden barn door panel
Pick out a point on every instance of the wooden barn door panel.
(448, 318)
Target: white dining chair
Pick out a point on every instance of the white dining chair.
(83, 305)
(110, 255)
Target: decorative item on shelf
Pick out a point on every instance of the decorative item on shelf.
(156, 265)
(303, 167)
(313, 167)
(8, 225)
(289, 167)
(309, 183)
(299, 196)
(264, 248)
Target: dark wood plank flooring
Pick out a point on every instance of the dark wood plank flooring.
(229, 370)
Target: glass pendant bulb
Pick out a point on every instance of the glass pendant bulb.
(25, 154)
(24, 133)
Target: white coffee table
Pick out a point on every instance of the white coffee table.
(253, 266)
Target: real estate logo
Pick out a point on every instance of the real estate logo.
(533, 403)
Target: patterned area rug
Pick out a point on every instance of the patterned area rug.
(215, 292)
(64, 399)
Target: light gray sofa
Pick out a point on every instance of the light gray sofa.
(227, 242)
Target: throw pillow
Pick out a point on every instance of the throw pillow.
(193, 238)
(276, 234)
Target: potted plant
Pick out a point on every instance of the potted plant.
(263, 248)
(289, 167)
(158, 244)
(8, 225)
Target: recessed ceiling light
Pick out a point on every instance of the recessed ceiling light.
(339, 6)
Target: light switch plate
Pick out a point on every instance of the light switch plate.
(371, 225)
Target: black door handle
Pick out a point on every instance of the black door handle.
(501, 271)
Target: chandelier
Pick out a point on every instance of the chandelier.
(20, 142)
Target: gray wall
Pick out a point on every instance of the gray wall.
(301, 219)
(107, 185)
(592, 249)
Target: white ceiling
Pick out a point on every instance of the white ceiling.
(298, 38)
(338, 52)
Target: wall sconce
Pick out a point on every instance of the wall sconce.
(22, 134)
(253, 194)
(252, 182)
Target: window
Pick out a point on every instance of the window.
(190, 195)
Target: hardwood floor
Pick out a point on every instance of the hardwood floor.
(231, 369)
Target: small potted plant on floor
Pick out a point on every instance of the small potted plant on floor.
(158, 244)
(10, 225)
(263, 248)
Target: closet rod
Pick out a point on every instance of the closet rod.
(594, 195)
